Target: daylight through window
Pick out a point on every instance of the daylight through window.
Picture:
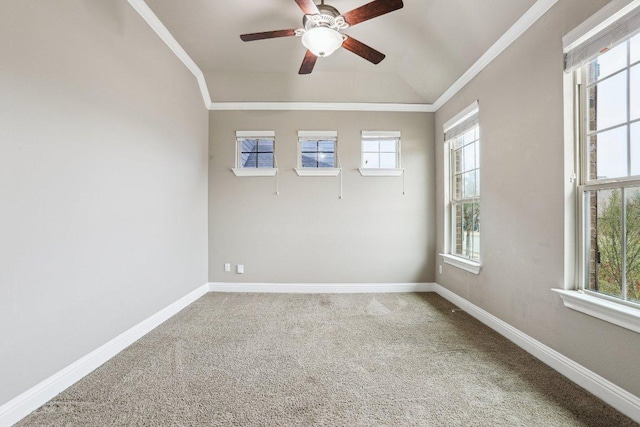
(380, 150)
(255, 149)
(463, 141)
(610, 171)
(318, 149)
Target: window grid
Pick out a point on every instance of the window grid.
(610, 176)
(465, 193)
(378, 153)
(318, 153)
(255, 153)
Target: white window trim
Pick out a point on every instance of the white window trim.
(601, 308)
(462, 263)
(381, 171)
(315, 134)
(255, 171)
(608, 309)
(449, 258)
(260, 172)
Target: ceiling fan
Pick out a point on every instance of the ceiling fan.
(321, 33)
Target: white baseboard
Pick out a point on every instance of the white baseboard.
(27, 402)
(604, 389)
(321, 288)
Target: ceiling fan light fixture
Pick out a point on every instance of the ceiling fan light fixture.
(322, 41)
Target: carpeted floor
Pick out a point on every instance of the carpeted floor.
(324, 360)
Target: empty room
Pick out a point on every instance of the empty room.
(319, 213)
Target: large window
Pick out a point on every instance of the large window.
(602, 134)
(462, 140)
(609, 190)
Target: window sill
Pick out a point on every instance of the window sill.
(380, 172)
(609, 311)
(466, 265)
(255, 171)
(317, 171)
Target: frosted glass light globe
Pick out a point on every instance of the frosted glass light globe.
(322, 41)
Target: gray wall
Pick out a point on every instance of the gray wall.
(103, 181)
(522, 208)
(307, 234)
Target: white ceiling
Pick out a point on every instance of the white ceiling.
(429, 44)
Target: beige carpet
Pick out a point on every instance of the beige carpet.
(324, 360)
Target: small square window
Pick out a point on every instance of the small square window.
(255, 153)
(380, 150)
(317, 149)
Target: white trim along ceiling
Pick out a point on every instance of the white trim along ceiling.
(532, 15)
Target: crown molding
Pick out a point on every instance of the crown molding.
(320, 106)
(156, 25)
(529, 18)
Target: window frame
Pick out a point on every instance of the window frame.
(581, 46)
(396, 137)
(586, 185)
(465, 120)
(306, 136)
(240, 169)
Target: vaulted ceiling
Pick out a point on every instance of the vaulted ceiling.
(428, 45)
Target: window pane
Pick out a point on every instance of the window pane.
(475, 233)
(458, 243)
(388, 146)
(610, 99)
(309, 160)
(457, 161)
(457, 187)
(248, 160)
(457, 142)
(370, 146)
(610, 62)
(605, 237)
(635, 49)
(309, 146)
(469, 157)
(469, 180)
(388, 160)
(470, 135)
(632, 205)
(634, 93)
(249, 145)
(326, 160)
(635, 149)
(610, 150)
(265, 146)
(467, 229)
(326, 146)
(265, 160)
(371, 160)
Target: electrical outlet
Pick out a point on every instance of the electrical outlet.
(440, 268)
(227, 267)
(240, 269)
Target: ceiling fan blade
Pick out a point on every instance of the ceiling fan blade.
(267, 35)
(308, 63)
(371, 10)
(308, 7)
(362, 50)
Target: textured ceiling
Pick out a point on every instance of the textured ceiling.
(429, 44)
